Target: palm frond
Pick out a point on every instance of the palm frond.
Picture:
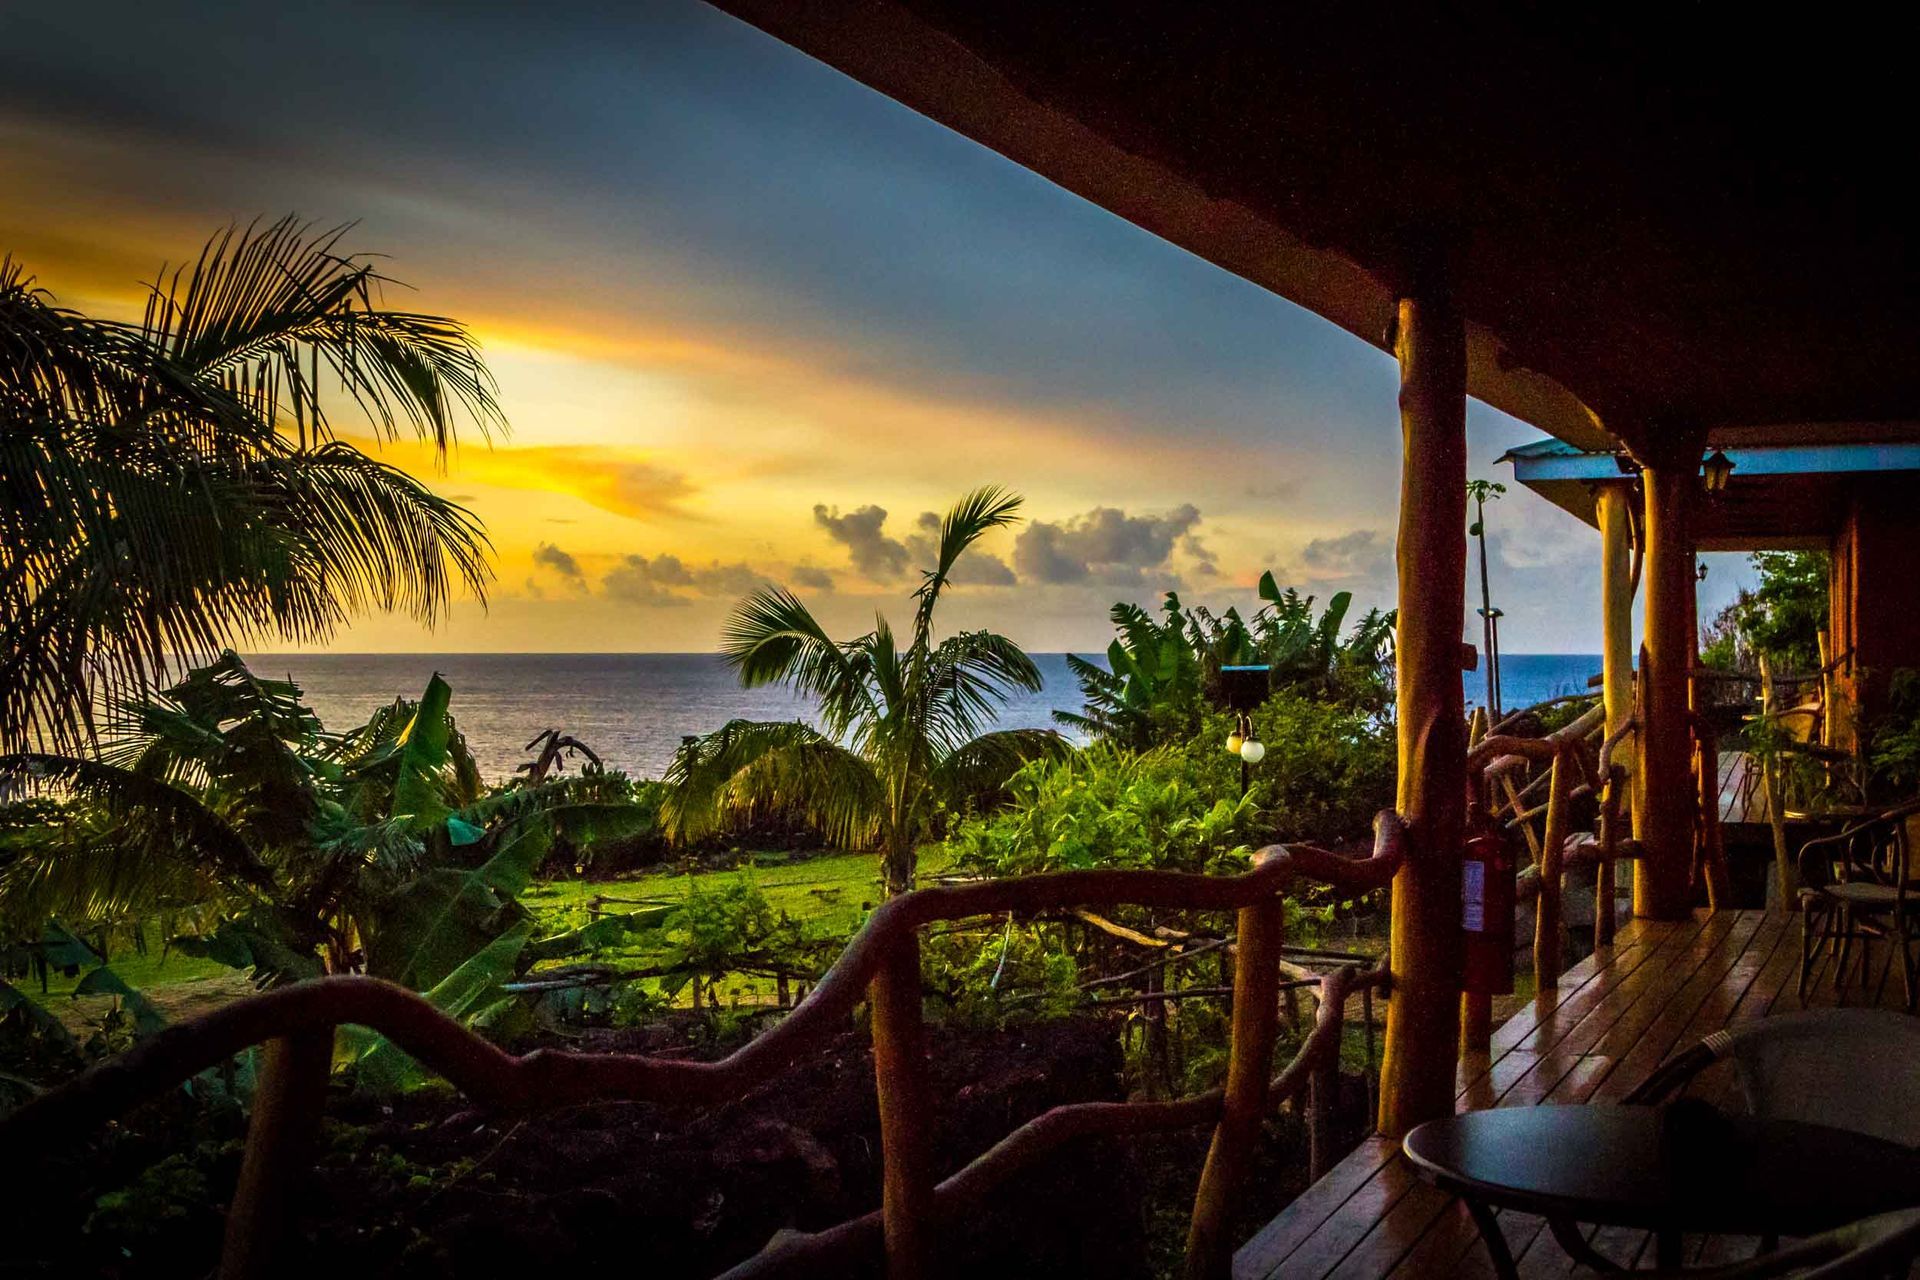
(977, 772)
(152, 513)
(772, 638)
(966, 522)
(88, 868)
(970, 677)
(758, 768)
(263, 306)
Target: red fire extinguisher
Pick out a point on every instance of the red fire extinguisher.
(1486, 914)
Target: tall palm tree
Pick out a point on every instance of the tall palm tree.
(171, 487)
(904, 730)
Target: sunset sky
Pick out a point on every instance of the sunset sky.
(749, 320)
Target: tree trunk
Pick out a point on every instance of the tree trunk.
(898, 866)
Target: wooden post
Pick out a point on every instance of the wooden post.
(906, 1111)
(1426, 948)
(1549, 922)
(1613, 501)
(1610, 820)
(286, 1116)
(1713, 850)
(1786, 874)
(1476, 1022)
(1256, 1015)
(1661, 878)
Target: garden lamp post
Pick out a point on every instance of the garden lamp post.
(1243, 688)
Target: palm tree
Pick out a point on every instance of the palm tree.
(904, 731)
(172, 487)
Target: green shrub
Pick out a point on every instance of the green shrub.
(1109, 807)
(1328, 768)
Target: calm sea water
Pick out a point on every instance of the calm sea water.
(633, 708)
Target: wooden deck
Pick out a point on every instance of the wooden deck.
(1617, 1015)
(1743, 801)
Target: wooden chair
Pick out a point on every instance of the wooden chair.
(1857, 886)
(1853, 1069)
(1883, 1245)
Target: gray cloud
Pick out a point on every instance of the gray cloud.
(805, 575)
(549, 556)
(1105, 546)
(859, 531)
(666, 580)
(976, 568)
(1361, 553)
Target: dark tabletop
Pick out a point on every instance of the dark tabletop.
(1686, 1167)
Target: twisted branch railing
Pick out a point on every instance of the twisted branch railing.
(881, 964)
(1571, 772)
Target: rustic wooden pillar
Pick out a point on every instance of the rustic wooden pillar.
(1256, 1017)
(1665, 757)
(906, 1111)
(1426, 947)
(1613, 502)
(280, 1134)
(1549, 920)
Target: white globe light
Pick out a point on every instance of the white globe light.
(1253, 751)
(1234, 743)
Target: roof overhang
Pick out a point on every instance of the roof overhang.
(1780, 497)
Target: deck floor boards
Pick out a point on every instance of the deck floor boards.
(1614, 1017)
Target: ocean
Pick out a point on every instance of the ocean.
(633, 708)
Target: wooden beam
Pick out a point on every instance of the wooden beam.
(1613, 503)
(1665, 756)
(1426, 948)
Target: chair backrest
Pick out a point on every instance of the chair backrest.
(1853, 1069)
(1874, 1247)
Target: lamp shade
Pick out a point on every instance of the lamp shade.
(1716, 471)
(1253, 751)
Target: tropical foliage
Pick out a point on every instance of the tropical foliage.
(1107, 807)
(171, 487)
(904, 737)
(225, 810)
(1781, 617)
(1161, 674)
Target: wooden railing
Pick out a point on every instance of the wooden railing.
(1575, 765)
(296, 1025)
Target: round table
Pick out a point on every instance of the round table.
(1668, 1170)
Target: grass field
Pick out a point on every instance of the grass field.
(832, 893)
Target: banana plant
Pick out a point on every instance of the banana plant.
(292, 851)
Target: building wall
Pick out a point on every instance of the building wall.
(1875, 607)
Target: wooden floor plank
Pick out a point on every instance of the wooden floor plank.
(1262, 1256)
(1710, 984)
(1662, 988)
(1394, 1236)
(1323, 1251)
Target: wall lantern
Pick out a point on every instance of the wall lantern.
(1716, 471)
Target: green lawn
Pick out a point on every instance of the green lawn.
(834, 892)
(140, 970)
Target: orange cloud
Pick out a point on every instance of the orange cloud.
(625, 481)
